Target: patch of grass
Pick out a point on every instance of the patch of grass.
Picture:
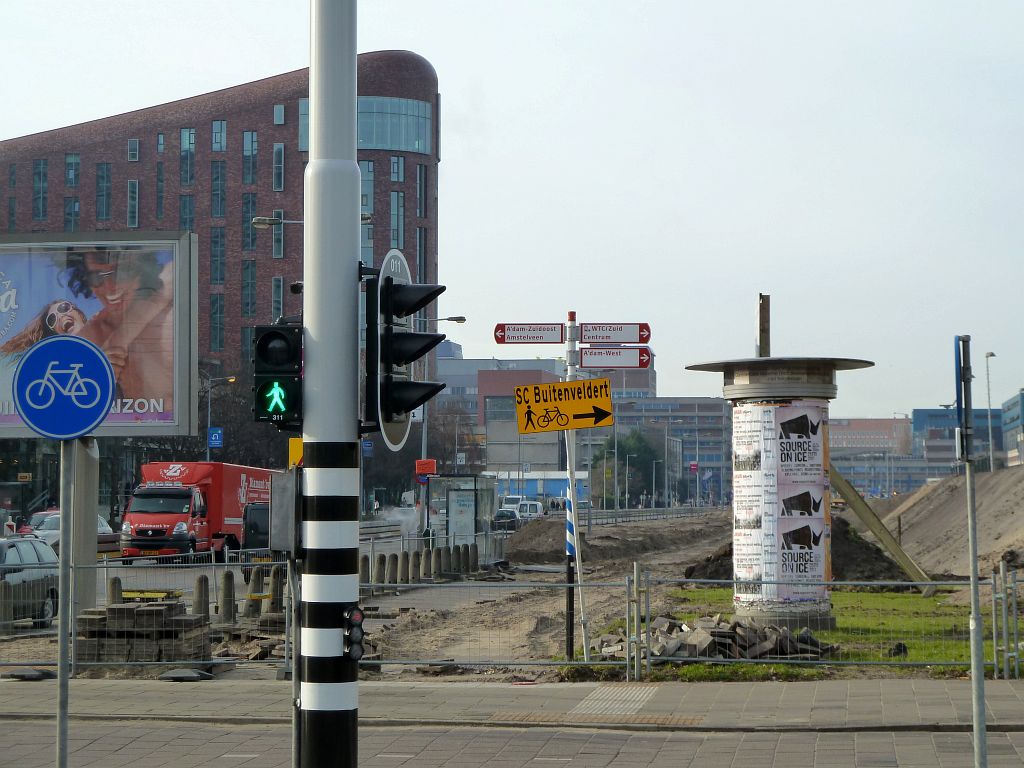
(737, 673)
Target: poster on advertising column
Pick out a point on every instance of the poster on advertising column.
(803, 488)
(129, 293)
(754, 503)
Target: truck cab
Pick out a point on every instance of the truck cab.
(165, 519)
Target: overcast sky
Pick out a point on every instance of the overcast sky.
(658, 161)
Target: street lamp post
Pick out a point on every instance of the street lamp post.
(628, 455)
(988, 387)
(211, 382)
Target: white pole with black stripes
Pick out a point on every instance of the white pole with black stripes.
(328, 705)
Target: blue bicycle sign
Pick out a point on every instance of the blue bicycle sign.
(63, 387)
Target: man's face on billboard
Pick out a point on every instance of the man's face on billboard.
(112, 277)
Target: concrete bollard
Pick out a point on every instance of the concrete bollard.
(364, 569)
(253, 604)
(201, 597)
(391, 574)
(435, 562)
(276, 602)
(6, 608)
(425, 560)
(457, 558)
(380, 569)
(446, 560)
(114, 591)
(227, 598)
(403, 567)
(414, 567)
(474, 558)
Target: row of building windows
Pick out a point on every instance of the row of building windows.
(248, 307)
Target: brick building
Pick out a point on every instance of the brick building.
(211, 163)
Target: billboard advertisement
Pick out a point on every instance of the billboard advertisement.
(129, 293)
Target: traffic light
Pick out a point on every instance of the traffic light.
(352, 627)
(277, 374)
(393, 345)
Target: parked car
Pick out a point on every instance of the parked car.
(108, 543)
(531, 510)
(29, 565)
(36, 520)
(506, 520)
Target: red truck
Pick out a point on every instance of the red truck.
(191, 506)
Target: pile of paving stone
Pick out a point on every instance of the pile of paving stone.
(713, 637)
(141, 632)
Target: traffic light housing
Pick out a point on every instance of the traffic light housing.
(393, 345)
(352, 630)
(277, 374)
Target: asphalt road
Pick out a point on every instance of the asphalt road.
(195, 745)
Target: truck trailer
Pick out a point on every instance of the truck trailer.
(191, 506)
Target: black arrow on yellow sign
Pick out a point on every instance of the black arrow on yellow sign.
(599, 415)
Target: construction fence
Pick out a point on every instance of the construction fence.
(459, 606)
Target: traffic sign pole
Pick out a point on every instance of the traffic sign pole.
(572, 548)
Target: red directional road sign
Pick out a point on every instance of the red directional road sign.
(529, 333)
(615, 333)
(615, 357)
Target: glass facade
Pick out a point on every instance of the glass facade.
(72, 169)
(187, 163)
(276, 297)
(186, 212)
(159, 190)
(398, 220)
(217, 322)
(216, 255)
(133, 203)
(39, 189)
(421, 190)
(366, 206)
(249, 149)
(103, 191)
(277, 251)
(249, 288)
(218, 188)
(71, 213)
(219, 136)
(278, 167)
(390, 123)
(248, 230)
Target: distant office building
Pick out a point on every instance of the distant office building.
(1012, 443)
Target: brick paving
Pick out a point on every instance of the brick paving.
(224, 723)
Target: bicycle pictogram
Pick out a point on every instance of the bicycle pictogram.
(84, 392)
(552, 415)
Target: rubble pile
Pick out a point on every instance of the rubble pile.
(712, 637)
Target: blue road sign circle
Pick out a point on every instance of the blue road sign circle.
(63, 387)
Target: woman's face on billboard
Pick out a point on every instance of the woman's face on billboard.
(113, 280)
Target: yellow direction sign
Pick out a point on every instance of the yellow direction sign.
(564, 405)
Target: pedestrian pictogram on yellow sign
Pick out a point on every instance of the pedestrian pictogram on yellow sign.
(564, 405)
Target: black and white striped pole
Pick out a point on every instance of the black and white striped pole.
(328, 703)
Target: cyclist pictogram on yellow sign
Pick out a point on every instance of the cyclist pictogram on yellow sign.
(564, 405)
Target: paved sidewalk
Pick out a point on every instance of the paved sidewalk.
(824, 706)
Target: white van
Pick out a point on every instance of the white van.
(510, 502)
(530, 510)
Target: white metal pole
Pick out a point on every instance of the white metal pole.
(329, 586)
(573, 516)
(988, 387)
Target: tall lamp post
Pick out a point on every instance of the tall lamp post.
(628, 455)
(988, 387)
(211, 382)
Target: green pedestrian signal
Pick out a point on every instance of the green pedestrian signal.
(277, 374)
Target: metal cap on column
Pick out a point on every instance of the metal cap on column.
(781, 520)
(329, 586)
